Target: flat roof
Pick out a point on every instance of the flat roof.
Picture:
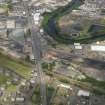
(83, 93)
(98, 48)
(78, 47)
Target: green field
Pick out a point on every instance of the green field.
(3, 79)
(4, 8)
(11, 88)
(94, 82)
(21, 69)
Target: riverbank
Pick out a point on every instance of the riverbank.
(50, 25)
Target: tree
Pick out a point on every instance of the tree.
(7, 33)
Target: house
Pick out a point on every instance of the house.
(10, 24)
(3, 33)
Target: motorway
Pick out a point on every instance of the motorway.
(37, 51)
(37, 54)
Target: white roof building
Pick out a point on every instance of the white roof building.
(76, 44)
(10, 24)
(36, 18)
(99, 48)
(78, 47)
(83, 93)
(20, 99)
(65, 86)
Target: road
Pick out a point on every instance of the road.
(37, 54)
(37, 51)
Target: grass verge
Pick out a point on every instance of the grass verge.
(18, 67)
